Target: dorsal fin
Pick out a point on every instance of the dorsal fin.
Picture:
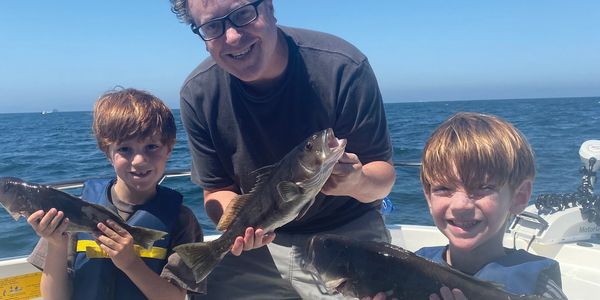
(261, 175)
(288, 191)
(232, 211)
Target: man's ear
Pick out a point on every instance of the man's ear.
(521, 197)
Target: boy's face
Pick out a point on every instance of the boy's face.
(475, 219)
(139, 165)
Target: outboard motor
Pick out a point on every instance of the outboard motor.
(564, 217)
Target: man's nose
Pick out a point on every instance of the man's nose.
(232, 33)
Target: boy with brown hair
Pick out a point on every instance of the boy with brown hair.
(477, 171)
(136, 131)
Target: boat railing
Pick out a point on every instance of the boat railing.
(78, 183)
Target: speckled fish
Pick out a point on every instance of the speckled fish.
(22, 198)
(364, 268)
(283, 192)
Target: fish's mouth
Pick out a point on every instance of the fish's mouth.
(334, 145)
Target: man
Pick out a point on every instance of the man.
(263, 90)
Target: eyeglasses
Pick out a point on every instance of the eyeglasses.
(238, 17)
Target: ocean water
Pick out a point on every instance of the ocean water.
(48, 148)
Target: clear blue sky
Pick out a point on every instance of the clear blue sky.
(64, 54)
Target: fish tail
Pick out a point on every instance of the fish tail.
(200, 257)
(145, 237)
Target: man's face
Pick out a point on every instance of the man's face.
(247, 52)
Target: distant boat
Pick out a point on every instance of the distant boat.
(45, 112)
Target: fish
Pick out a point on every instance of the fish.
(360, 269)
(21, 199)
(283, 192)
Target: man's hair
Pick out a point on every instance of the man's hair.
(475, 149)
(180, 8)
(131, 114)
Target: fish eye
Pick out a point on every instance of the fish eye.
(308, 146)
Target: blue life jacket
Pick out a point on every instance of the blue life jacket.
(517, 272)
(95, 276)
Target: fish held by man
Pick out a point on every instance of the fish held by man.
(364, 268)
(22, 198)
(283, 192)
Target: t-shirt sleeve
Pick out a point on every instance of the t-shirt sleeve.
(38, 256)
(187, 230)
(207, 169)
(361, 116)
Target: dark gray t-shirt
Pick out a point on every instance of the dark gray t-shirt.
(328, 83)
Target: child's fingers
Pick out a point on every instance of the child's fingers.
(34, 218)
(107, 249)
(107, 231)
(107, 242)
(55, 222)
(117, 228)
(47, 218)
(458, 294)
(63, 226)
(446, 293)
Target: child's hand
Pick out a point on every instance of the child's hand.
(447, 294)
(379, 296)
(118, 244)
(251, 240)
(48, 226)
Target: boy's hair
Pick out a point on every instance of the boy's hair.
(475, 149)
(129, 113)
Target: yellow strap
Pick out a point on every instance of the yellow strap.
(93, 250)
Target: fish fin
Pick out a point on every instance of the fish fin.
(231, 212)
(200, 257)
(15, 215)
(145, 237)
(288, 191)
(262, 172)
(261, 175)
(305, 209)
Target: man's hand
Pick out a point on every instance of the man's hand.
(345, 176)
(252, 239)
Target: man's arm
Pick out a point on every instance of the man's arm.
(215, 203)
(217, 200)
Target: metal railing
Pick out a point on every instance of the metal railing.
(78, 183)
